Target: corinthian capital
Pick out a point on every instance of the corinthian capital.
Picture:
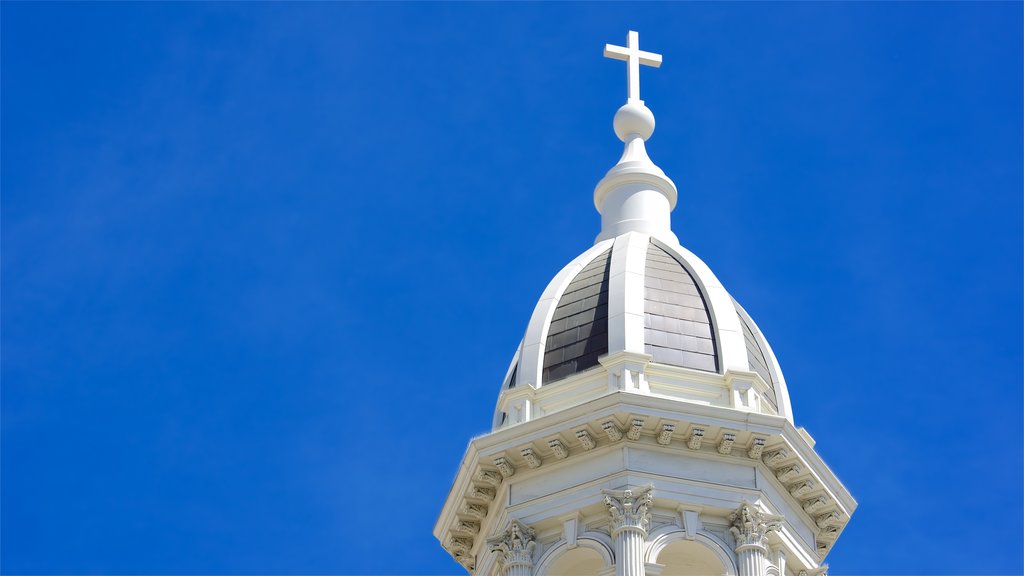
(629, 508)
(515, 545)
(751, 526)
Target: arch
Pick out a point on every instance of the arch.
(593, 541)
(664, 537)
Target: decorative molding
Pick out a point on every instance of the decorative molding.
(504, 467)
(459, 545)
(635, 428)
(515, 545)
(816, 504)
(468, 562)
(822, 571)
(779, 559)
(776, 457)
(481, 493)
(829, 519)
(488, 477)
(652, 569)
(725, 445)
(570, 529)
(751, 526)
(561, 452)
(583, 435)
(804, 482)
(789, 473)
(629, 509)
(691, 522)
(531, 457)
(802, 489)
(612, 430)
(756, 447)
(665, 436)
(830, 532)
(696, 435)
(475, 511)
(466, 527)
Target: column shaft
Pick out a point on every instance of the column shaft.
(629, 552)
(752, 561)
(523, 569)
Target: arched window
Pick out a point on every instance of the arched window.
(591, 556)
(576, 562)
(688, 558)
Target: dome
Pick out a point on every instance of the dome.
(637, 312)
(651, 302)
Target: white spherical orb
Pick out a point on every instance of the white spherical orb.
(634, 118)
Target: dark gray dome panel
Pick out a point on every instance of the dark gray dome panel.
(512, 378)
(758, 361)
(677, 325)
(578, 333)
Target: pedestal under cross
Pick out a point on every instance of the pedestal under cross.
(634, 57)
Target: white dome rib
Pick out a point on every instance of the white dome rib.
(663, 306)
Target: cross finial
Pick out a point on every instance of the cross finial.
(634, 57)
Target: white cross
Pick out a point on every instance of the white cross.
(634, 57)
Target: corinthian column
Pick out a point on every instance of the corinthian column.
(630, 520)
(515, 546)
(750, 527)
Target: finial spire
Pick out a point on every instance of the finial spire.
(634, 57)
(635, 195)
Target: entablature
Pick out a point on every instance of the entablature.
(614, 421)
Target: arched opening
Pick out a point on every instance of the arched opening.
(688, 558)
(576, 562)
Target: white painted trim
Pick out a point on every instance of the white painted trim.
(781, 390)
(732, 350)
(593, 540)
(496, 421)
(626, 294)
(666, 535)
(532, 358)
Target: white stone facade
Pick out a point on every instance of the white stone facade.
(632, 466)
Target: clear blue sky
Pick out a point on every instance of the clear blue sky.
(264, 265)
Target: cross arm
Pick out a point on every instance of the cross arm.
(619, 53)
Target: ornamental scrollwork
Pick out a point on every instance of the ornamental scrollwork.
(515, 544)
(751, 526)
(629, 508)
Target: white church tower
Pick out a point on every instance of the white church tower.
(644, 426)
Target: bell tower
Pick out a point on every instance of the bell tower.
(644, 425)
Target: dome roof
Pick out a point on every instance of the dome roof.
(637, 312)
(656, 302)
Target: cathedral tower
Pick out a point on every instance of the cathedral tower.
(644, 426)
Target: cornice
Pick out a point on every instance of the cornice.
(536, 446)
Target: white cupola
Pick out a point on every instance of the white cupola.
(643, 426)
(637, 300)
